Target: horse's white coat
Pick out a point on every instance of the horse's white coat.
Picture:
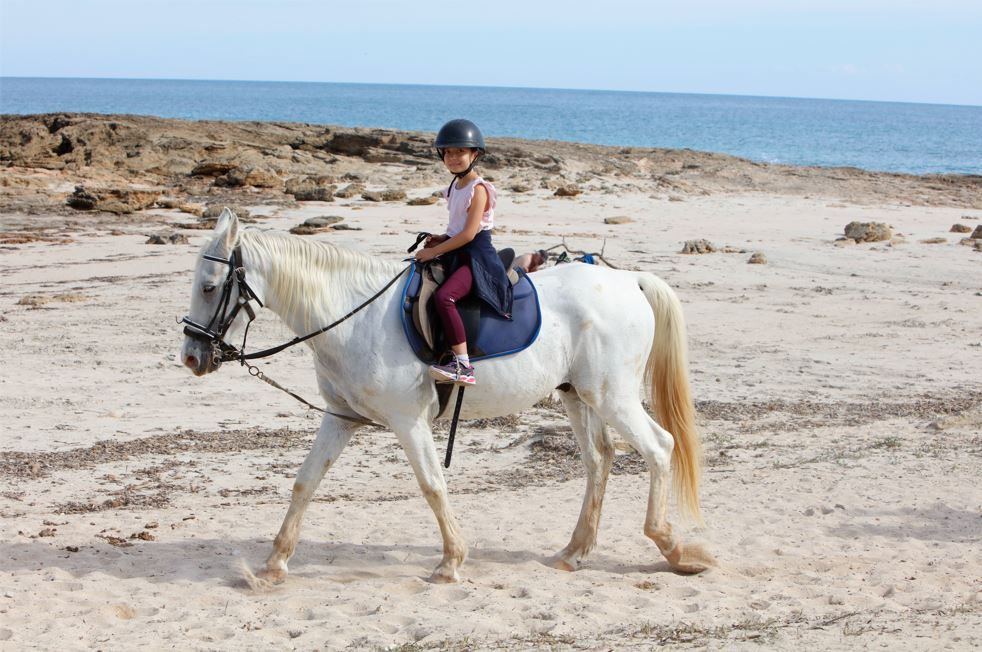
(598, 329)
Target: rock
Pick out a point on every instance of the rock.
(83, 200)
(394, 194)
(385, 195)
(173, 238)
(382, 156)
(314, 194)
(214, 210)
(934, 241)
(868, 231)
(357, 144)
(423, 201)
(346, 227)
(312, 188)
(520, 187)
(618, 220)
(255, 177)
(192, 209)
(960, 228)
(170, 202)
(351, 190)
(316, 225)
(570, 190)
(757, 258)
(323, 221)
(977, 233)
(113, 200)
(698, 247)
(212, 168)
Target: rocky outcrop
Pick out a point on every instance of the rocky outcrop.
(112, 200)
(209, 158)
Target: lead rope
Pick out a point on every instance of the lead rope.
(256, 372)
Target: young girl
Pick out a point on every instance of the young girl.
(471, 263)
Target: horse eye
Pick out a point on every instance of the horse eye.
(209, 288)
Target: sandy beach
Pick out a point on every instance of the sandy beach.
(837, 385)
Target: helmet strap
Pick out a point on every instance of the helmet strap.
(459, 175)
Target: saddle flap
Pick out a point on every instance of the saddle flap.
(421, 309)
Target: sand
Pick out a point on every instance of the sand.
(840, 404)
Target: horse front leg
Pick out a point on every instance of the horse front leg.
(417, 441)
(331, 439)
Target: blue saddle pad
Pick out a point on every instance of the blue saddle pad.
(489, 335)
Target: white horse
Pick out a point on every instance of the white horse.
(604, 335)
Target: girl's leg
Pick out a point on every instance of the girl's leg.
(455, 288)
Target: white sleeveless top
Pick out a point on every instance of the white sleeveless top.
(460, 200)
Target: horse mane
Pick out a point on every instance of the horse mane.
(309, 278)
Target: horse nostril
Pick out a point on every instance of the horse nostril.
(191, 362)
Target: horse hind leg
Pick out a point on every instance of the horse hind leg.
(655, 445)
(597, 452)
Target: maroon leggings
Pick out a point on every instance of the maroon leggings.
(455, 288)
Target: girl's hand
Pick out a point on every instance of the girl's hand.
(427, 254)
(434, 240)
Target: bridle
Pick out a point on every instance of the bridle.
(218, 326)
(221, 351)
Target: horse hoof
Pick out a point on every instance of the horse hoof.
(560, 563)
(693, 560)
(444, 577)
(272, 575)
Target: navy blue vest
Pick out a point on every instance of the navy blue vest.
(491, 283)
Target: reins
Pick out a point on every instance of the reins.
(222, 351)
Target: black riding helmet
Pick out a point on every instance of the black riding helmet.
(459, 133)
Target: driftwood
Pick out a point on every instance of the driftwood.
(578, 252)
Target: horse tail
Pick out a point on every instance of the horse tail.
(667, 376)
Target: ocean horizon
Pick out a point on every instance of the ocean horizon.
(872, 135)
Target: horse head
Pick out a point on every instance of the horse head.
(219, 295)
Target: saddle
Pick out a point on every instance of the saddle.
(489, 335)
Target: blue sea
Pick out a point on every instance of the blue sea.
(876, 136)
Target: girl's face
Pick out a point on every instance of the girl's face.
(458, 159)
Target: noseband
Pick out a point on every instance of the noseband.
(214, 332)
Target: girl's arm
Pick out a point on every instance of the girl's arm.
(474, 213)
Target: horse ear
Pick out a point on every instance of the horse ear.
(227, 227)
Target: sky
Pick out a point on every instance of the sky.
(890, 50)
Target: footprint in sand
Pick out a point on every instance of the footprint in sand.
(456, 594)
(685, 592)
